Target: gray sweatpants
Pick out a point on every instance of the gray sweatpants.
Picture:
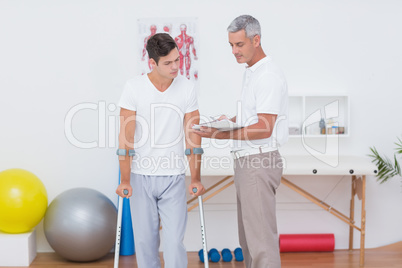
(154, 198)
(256, 179)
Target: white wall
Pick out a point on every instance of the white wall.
(57, 54)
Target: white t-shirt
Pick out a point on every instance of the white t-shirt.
(264, 91)
(159, 133)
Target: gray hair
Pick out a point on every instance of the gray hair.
(247, 23)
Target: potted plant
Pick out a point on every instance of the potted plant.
(387, 168)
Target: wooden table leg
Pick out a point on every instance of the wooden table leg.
(352, 212)
(363, 224)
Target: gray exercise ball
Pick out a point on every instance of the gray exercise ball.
(80, 224)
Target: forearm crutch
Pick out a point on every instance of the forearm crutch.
(118, 230)
(203, 233)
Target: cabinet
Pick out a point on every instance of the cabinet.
(316, 115)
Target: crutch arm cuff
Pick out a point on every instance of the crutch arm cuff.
(198, 150)
(123, 152)
(195, 151)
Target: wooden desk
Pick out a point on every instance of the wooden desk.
(354, 166)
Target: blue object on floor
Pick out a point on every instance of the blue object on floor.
(226, 255)
(127, 247)
(201, 255)
(238, 252)
(214, 255)
(127, 235)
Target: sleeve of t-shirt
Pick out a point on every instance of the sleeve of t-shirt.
(192, 103)
(127, 99)
(268, 94)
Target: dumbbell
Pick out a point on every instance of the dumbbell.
(226, 255)
(238, 253)
(201, 255)
(214, 255)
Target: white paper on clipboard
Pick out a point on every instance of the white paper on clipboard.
(222, 125)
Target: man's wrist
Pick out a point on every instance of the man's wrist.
(195, 178)
(124, 181)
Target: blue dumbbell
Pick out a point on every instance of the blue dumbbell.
(201, 255)
(238, 252)
(226, 255)
(214, 255)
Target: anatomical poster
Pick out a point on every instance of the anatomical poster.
(183, 31)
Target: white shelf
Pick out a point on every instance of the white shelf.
(306, 111)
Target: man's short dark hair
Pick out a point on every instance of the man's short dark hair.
(160, 45)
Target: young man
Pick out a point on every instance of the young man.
(157, 112)
(258, 166)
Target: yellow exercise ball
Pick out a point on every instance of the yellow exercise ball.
(23, 201)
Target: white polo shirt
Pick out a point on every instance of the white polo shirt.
(264, 91)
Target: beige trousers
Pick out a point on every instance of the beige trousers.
(256, 179)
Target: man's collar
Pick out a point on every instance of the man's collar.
(258, 64)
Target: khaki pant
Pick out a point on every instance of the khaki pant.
(256, 179)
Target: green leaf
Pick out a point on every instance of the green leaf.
(386, 169)
(399, 146)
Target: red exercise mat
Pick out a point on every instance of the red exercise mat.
(306, 242)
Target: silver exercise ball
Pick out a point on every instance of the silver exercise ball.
(80, 224)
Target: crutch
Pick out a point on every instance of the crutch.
(118, 230)
(203, 234)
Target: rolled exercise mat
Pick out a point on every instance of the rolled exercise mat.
(127, 247)
(306, 242)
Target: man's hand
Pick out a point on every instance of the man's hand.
(124, 186)
(260, 130)
(198, 185)
(207, 132)
(222, 117)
